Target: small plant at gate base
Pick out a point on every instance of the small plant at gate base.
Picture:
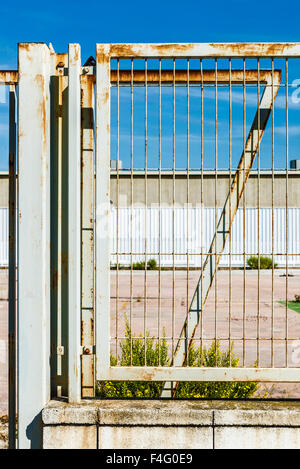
(136, 352)
(142, 351)
(211, 357)
(263, 262)
(297, 298)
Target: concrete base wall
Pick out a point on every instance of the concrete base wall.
(172, 424)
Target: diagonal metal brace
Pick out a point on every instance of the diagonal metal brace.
(224, 224)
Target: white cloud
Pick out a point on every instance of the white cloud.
(293, 130)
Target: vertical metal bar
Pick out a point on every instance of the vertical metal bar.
(202, 210)
(146, 214)
(33, 241)
(12, 320)
(59, 226)
(230, 182)
(244, 215)
(187, 199)
(216, 214)
(117, 201)
(87, 244)
(59, 376)
(272, 287)
(173, 203)
(258, 216)
(131, 200)
(286, 206)
(74, 212)
(102, 211)
(168, 390)
(159, 213)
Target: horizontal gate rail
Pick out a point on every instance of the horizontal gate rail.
(217, 50)
(149, 373)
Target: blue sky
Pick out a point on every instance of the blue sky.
(156, 21)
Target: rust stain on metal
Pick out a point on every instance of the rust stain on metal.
(40, 81)
(77, 52)
(25, 46)
(82, 331)
(9, 77)
(252, 49)
(130, 50)
(101, 58)
(148, 376)
(208, 76)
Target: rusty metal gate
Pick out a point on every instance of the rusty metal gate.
(168, 111)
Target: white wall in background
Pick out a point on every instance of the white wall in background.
(182, 227)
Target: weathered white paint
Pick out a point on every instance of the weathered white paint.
(74, 222)
(102, 239)
(33, 241)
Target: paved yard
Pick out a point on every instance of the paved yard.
(222, 318)
(172, 316)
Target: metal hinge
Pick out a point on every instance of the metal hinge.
(85, 70)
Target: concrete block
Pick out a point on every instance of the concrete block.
(61, 413)
(153, 413)
(70, 437)
(253, 417)
(158, 437)
(257, 438)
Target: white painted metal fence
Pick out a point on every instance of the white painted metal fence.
(64, 248)
(177, 230)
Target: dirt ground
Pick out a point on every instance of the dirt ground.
(217, 321)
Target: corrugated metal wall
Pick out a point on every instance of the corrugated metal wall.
(191, 218)
(188, 222)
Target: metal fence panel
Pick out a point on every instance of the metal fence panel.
(228, 236)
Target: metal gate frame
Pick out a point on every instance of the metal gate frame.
(106, 52)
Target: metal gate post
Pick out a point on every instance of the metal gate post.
(33, 240)
(102, 211)
(74, 219)
(12, 323)
(59, 226)
(87, 241)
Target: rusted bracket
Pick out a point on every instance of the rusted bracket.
(224, 225)
(9, 77)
